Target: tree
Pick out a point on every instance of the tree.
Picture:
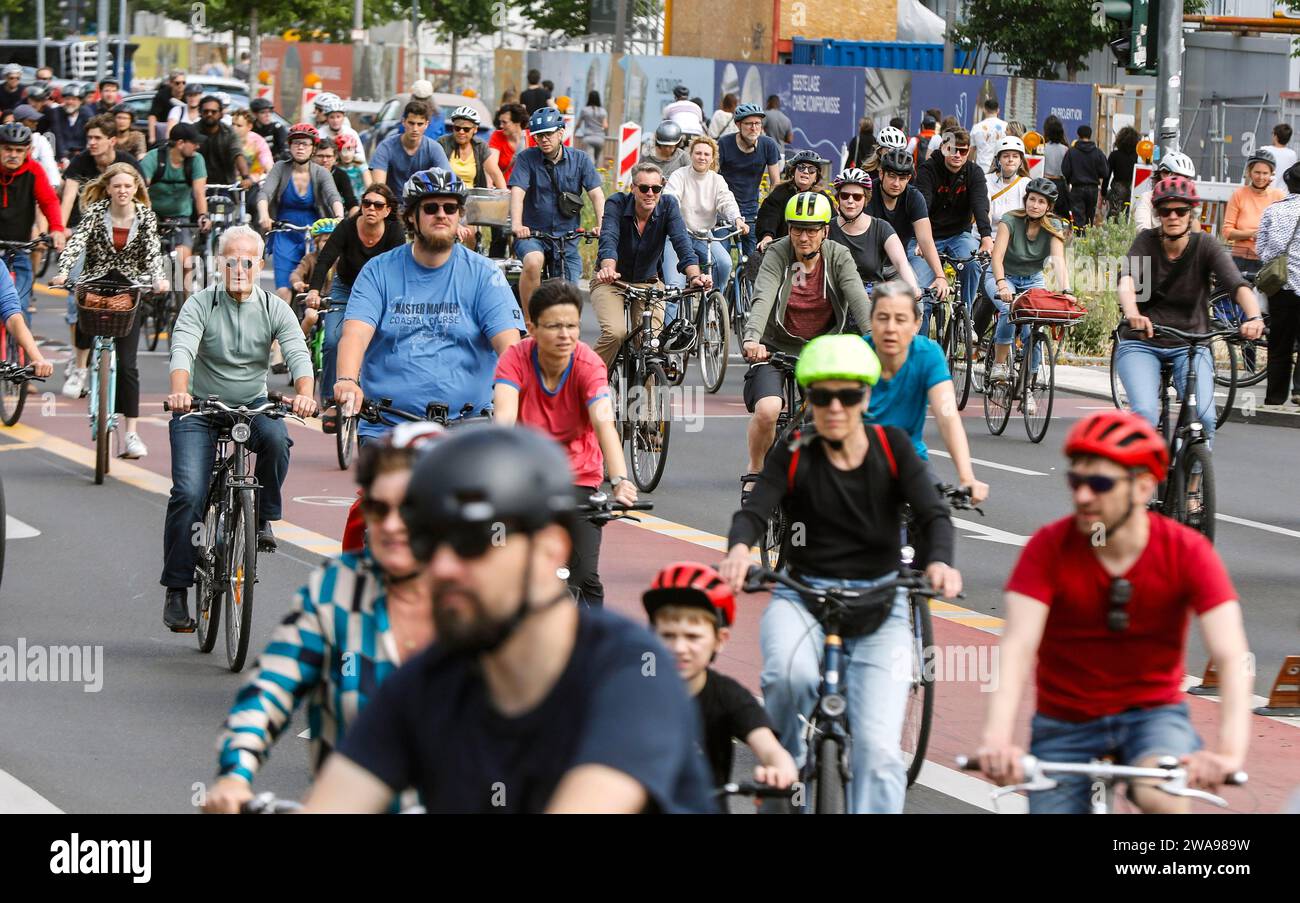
(573, 17)
(457, 19)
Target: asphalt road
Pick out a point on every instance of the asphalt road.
(145, 740)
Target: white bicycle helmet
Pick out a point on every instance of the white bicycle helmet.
(1009, 143)
(891, 138)
(1179, 164)
(328, 103)
(466, 113)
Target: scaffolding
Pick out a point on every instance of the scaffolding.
(1211, 152)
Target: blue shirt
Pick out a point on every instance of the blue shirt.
(639, 254)
(399, 166)
(9, 304)
(433, 329)
(902, 400)
(743, 171)
(575, 172)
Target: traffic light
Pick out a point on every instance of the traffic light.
(1134, 26)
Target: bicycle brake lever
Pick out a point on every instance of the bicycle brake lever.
(1197, 795)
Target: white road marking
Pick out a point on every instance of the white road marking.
(16, 798)
(966, 787)
(995, 465)
(16, 529)
(1241, 521)
(989, 534)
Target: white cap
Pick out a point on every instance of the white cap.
(422, 89)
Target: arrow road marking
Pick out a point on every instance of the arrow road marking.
(16, 529)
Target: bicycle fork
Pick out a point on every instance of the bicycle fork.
(830, 716)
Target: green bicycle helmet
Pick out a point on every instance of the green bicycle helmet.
(808, 208)
(323, 226)
(837, 357)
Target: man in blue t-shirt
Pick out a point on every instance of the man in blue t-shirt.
(426, 321)
(527, 703)
(410, 151)
(742, 157)
(546, 186)
(913, 377)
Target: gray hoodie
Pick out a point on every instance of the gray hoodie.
(225, 345)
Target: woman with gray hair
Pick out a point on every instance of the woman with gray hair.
(913, 375)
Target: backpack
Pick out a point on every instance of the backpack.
(187, 167)
(798, 441)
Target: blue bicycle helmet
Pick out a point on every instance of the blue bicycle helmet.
(547, 119)
(430, 182)
(745, 110)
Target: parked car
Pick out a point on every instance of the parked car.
(382, 124)
(141, 102)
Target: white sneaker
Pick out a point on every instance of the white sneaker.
(999, 373)
(75, 385)
(1031, 406)
(134, 447)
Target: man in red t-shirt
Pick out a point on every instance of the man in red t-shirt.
(555, 383)
(1102, 599)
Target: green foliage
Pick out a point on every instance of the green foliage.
(573, 17)
(463, 18)
(1094, 266)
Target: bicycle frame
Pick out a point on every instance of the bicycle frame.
(1187, 429)
(103, 345)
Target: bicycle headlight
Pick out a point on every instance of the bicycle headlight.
(240, 432)
(834, 705)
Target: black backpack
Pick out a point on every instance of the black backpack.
(187, 167)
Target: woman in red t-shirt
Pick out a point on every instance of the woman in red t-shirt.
(556, 383)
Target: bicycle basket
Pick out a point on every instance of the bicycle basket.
(1039, 305)
(109, 315)
(487, 207)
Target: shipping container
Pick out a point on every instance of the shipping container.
(869, 54)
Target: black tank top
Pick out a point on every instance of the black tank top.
(868, 249)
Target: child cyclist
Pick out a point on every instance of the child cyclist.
(691, 609)
(321, 230)
(348, 162)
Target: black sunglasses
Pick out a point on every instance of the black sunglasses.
(1100, 485)
(822, 398)
(1179, 212)
(646, 189)
(376, 508)
(1121, 591)
(852, 196)
(463, 128)
(433, 208)
(374, 205)
(466, 540)
(806, 167)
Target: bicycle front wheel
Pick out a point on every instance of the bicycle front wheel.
(960, 354)
(1117, 394)
(713, 352)
(997, 398)
(740, 309)
(345, 440)
(830, 794)
(649, 420)
(241, 574)
(1191, 498)
(617, 378)
(1040, 384)
(769, 552)
(102, 414)
(13, 395)
(920, 696)
(208, 590)
(1224, 354)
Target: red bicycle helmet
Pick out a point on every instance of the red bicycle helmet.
(304, 130)
(1122, 437)
(693, 584)
(1174, 188)
(347, 139)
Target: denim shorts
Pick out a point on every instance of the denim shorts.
(1130, 736)
(572, 257)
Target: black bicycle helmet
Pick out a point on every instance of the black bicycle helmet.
(669, 133)
(431, 182)
(478, 478)
(897, 161)
(803, 156)
(122, 108)
(15, 133)
(1045, 187)
(259, 104)
(681, 92)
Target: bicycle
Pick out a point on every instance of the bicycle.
(637, 382)
(11, 373)
(9, 250)
(1172, 778)
(163, 308)
(827, 737)
(557, 244)
(710, 322)
(107, 324)
(1032, 383)
(739, 293)
(794, 415)
(1252, 355)
(1225, 359)
(345, 432)
(225, 209)
(225, 567)
(953, 328)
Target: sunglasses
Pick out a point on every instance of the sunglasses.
(646, 189)
(961, 151)
(822, 398)
(806, 168)
(1179, 212)
(851, 196)
(466, 540)
(210, 111)
(376, 508)
(1121, 592)
(374, 205)
(463, 128)
(433, 208)
(1100, 485)
(245, 262)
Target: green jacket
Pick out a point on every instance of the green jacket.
(225, 345)
(844, 290)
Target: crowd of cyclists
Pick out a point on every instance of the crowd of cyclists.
(465, 678)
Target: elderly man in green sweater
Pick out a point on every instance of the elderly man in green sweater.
(221, 346)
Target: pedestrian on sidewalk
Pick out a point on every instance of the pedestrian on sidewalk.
(1085, 168)
(1279, 228)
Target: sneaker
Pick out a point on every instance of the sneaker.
(134, 447)
(68, 367)
(75, 385)
(999, 373)
(1030, 406)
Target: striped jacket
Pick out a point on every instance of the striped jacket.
(335, 646)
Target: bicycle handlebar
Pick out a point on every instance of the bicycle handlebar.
(326, 302)
(269, 804)
(13, 373)
(758, 579)
(1195, 338)
(42, 239)
(278, 226)
(1173, 778)
(234, 186)
(707, 235)
(958, 498)
(749, 788)
(783, 361)
(275, 406)
(601, 509)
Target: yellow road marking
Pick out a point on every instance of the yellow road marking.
(15, 446)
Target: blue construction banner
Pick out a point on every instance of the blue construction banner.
(1069, 102)
(954, 95)
(824, 103)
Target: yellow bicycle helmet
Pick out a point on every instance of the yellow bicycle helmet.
(808, 208)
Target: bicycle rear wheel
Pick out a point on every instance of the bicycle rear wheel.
(345, 440)
(769, 552)
(997, 398)
(1224, 354)
(960, 354)
(650, 421)
(102, 415)
(713, 352)
(208, 590)
(241, 574)
(617, 378)
(920, 697)
(740, 309)
(1040, 384)
(829, 795)
(1191, 498)
(13, 395)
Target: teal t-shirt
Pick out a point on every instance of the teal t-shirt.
(902, 401)
(172, 196)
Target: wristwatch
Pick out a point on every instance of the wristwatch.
(1252, 319)
(614, 481)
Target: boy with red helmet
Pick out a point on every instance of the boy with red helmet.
(691, 609)
(1101, 600)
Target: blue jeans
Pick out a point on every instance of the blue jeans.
(961, 246)
(20, 262)
(572, 259)
(194, 447)
(1132, 736)
(876, 685)
(1138, 365)
(1004, 331)
(749, 241)
(339, 291)
(720, 273)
